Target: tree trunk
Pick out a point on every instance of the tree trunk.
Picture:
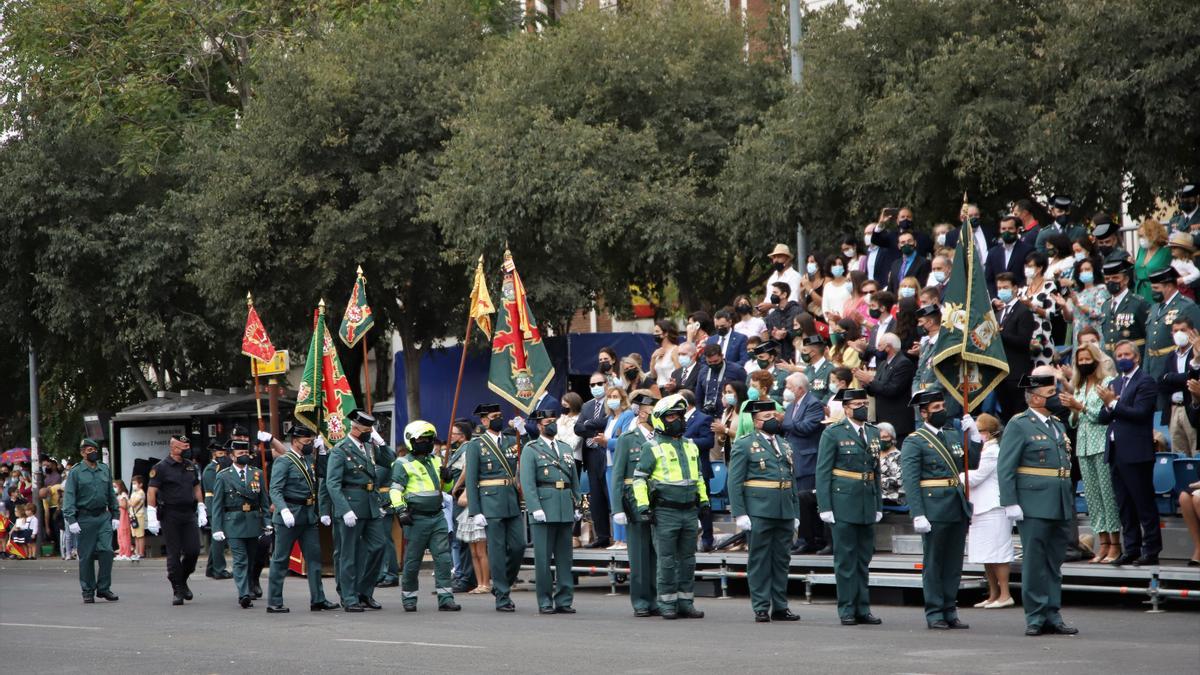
(138, 375)
(412, 372)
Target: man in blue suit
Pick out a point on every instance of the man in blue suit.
(544, 402)
(716, 371)
(802, 428)
(1128, 410)
(731, 342)
(699, 431)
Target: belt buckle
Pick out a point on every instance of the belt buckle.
(953, 482)
(246, 508)
(558, 484)
(1064, 473)
(370, 487)
(308, 502)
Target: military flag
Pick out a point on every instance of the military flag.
(358, 318)
(255, 342)
(520, 368)
(482, 308)
(324, 399)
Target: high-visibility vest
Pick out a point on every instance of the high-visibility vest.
(669, 471)
(419, 484)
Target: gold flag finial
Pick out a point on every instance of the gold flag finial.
(249, 299)
(360, 270)
(321, 304)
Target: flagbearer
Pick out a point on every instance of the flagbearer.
(294, 496)
(350, 482)
(215, 567)
(552, 498)
(90, 511)
(642, 564)
(416, 495)
(849, 499)
(669, 491)
(765, 506)
(931, 460)
(240, 510)
(493, 502)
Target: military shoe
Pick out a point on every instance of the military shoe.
(107, 595)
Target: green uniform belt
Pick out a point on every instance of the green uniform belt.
(369, 487)
(384, 488)
(1137, 343)
(556, 484)
(492, 482)
(940, 482)
(628, 481)
(1161, 352)
(247, 508)
(299, 501)
(91, 512)
(772, 484)
(1064, 473)
(208, 494)
(664, 503)
(856, 475)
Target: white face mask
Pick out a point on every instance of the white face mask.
(939, 276)
(1181, 339)
(941, 239)
(1143, 242)
(848, 252)
(789, 396)
(1030, 272)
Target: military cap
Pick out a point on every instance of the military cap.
(1167, 275)
(360, 416)
(486, 409)
(214, 446)
(845, 395)
(1061, 201)
(89, 443)
(543, 415)
(1116, 264)
(182, 438)
(929, 310)
(926, 396)
(239, 430)
(814, 339)
(1189, 190)
(300, 431)
(237, 445)
(766, 405)
(1104, 227)
(1035, 381)
(643, 399)
(768, 347)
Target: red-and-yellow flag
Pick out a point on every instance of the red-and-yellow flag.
(482, 308)
(255, 341)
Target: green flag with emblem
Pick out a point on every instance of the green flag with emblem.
(520, 370)
(968, 357)
(324, 399)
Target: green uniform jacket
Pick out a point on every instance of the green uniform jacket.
(1159, 343)
(1027, 442)
(1125, 321)
(240, 510)
(89, 492)
(351, 478)
(1181, 223)
(417, 503)
(542, 469)
(852, 500)
(818, 380)
(625, 461)
(487, 462)
(294, 487)
(921, 460)
(680, 494)
(757, 458)
(207, 480)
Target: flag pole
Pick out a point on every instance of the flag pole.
(262, 447)
(967, 239)
(462, 365)
(366, 368)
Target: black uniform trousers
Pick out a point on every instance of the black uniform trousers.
(182, 536)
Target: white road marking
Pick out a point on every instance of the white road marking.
(39, 625)
(414, 644)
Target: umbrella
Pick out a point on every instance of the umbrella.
(14, 455)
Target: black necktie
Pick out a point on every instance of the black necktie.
(242, 474)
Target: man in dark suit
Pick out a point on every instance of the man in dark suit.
(1007, 256)
(731, 342)
(590, 426)
(715, 372)
(877, 261)
(984, 234)
(684, 377)
(910, 263)
(544, 402)
(889, 238)
(880, 308)
(699, 431)
(802, 428)
(890, 384)
(1172, 386)
(1016, 332)
(1128, 410)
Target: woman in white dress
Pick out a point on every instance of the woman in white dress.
(989, 539)
(664, 360)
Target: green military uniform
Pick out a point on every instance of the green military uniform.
(89, 500)
(1160, 345)
(294, 487)
(240, 510)
(818, 379)
(416, 493)
(1126, 320)
(548, 480)
(639, 535)
(931, 460)
(1182, 222)
(351, 484)
(1074, 232)
(760, 486)
(1034, 472)
(491, 485)
(668, 480)
(215, 567)
(848, 485)
(389, 566)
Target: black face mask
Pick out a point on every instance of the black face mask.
(364, 436)
(778, 267)
(242, 460)
(188, 454)
(921, 332)
(859, 414)
(775, 299)
(550, 430)
(1008, 237)
(771, 426)
(723, 331)
(630, 373)
(907, 249)
(937, 419)
(743, 309)
(1053, 402)
(1114, 288)
(306, 449)
(1187, 206)
(605, 366)
(905, 224)
(454, 445)
(674, 428)
(1062, 220)
(1156, 296)
(1105, 250)
(93, 456)
(1086, 369)
(875, 312)
(225, 462)
(495, 425)
(422, 446)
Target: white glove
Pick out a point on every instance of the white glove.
(743, 523)
(517, 422)
(579, 515)
(795, 523)
(201, 514)
(268, 530)
(264, 436)
(74, 528)
(480, 520)
(968, 424)
(349, 519)
(115, 524)
(539, 516)
(376, 438)
(1177, 398)
(1014, 513)
(319, 443)
(326, 521)
(152, 520)
(827, 517)
(618, 518)
(921, 525)
(288, 519)
(218, 536)
(878, 516)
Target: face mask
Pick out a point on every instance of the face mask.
(806, 357)
(1187, 206)
(1086, 369)
(885, 444)
(630, 373)
(834, 387)
(189, 453)
(907, 291)
(613, 403)
(763, 363)
(225, 462)
(1143, 242)
(775, 299)
(859, 414)
(867, 298)
(1008, 237)
(1181, 338)
(1062, 220)
(242, 460)
(847, 253)
(306, 449)
(364, 436)
(743, 309)
(867, 240)
(752, 393)
(1080, 255)
(875, 312)
(1086, 277)
(778, 267)
(973, 221)
(938, 276)
(1114, 287)
(905, 224)
(598, 390)
(921, 332)
(907, 249)
(1104, 250)
(730, 399)
(771, 427)
(422, 446)
(605, 366)
(495, 425)
(93, 456)
(789, 396)
(811, 268)
(684, 361)
(1052, 253)
(941, 239)
(837, 270)
(1125, 365)
(937, 419)
(723, 331)
(1030, 272)
(1053, 402)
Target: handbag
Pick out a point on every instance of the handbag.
(133, 522)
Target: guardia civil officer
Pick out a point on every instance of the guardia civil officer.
(416, 495)
(240, 515)
(293, 493)
(552, 498)
(1125, 312)
(175, 492)
(642, 563)
(1169, 306)
(931, 460)
(1034, 472)
(849, 499)
(492, 500)
(90, 511)
(669, 491)
(765, 506)
(215, 567)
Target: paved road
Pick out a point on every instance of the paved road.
(213, 635)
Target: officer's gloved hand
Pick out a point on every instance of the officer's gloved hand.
(319, 444)
(218, 536)
(878, 516)
(289, 520)
(705, 510)
(539, 516)
(74, 528)
(618, 518)
(921, 525)
(795, 523)
(265, 436)
(326, 521)
(579, 515)
(480, 520)
(743, 523)
(152, 520)
(827, 517)
(647, 515)
(968, 425)
(1014, 513)
(116, 523)
(404, 516)
(201, 515)
(349, 519)
(268, 530)
(376, 438)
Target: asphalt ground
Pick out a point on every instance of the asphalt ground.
(44, 627)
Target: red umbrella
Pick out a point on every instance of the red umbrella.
(14, 455)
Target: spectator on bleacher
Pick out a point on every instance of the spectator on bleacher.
(891, 483)
(906, 325)
(989, 538)
(698, 429)
(1189, 507)
(781, 318)
(838, 289)
(663, 361)
(1086, 298)
(714, 372)
(890, 385)
(781, 271)
(749, 322)
(137, 513)
(684, 377)
(802, 428)
(124, 531)
(1035, 295)
(839, 378)
(812, 285)
(848, 344)
(1060, 256)
(910, 264)
(1173, 385)
(1183, 254)
(1152, 256)
(856, 307)
(852, 253)
(633, 377)
(725, 425)
(620, 418)
(1093, 372)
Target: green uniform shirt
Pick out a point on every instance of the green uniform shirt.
(240, 508)
(939, 459)
(853, 500)
(548, 480)
(1029, 442)
(818, 379)
(1125, 320)
(766, 464)
(490, 461)
(89, 492)
(207, 480)
(1160, 344)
